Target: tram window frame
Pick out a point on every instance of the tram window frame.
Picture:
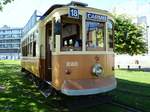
(110, 37)
(71, 26)
(24, 48)
(54, 33)
(57, 27)
(30, 49)
(90, 46)
(34, 49)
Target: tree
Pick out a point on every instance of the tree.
(129, 37)
(4, 2)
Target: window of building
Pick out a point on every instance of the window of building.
(95, 35)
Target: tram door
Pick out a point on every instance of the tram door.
(48, 61)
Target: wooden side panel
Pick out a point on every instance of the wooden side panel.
(31, 64)
(57, 76)
(42, 69)
(34, 65)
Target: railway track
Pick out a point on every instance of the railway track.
(125, 91)
(80, 102)
(135, 85)
(85, 102)
(127, 107)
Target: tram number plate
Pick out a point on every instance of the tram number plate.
(73, 12)
(72, 64)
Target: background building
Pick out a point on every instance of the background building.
(10, 42)
(142, 21)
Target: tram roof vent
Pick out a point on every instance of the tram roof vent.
(75, 3)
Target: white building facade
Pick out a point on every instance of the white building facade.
(10, 42)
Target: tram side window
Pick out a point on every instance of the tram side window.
(110, 34)
(30, 49)
(23, 51)
(57, 27)
(34, 49)
(57, 31)
(95, 34)
(26, 50)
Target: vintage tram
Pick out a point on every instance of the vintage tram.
(70, 47)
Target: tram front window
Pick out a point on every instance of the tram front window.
(95, 35)
(71, 36)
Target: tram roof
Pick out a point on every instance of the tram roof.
(34, 18)
(72, 3)
(51, 9)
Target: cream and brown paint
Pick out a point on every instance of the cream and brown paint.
(79, 63)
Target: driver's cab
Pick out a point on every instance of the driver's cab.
(86, 32)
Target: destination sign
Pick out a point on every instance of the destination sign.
(96, 17)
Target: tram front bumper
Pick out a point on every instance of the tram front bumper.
(88, 86)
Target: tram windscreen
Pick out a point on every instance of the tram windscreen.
(95, 34)
(71, 39)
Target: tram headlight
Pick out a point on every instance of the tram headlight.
(97, 69)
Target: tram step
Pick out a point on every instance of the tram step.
(45, 89)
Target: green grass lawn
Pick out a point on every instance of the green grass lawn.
(20, 95)
(17, 62)
(133, 76)
(136, 82)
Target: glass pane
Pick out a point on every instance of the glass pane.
(95, 34)
(71, 35)
(110, 34)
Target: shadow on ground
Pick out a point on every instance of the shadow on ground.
(20, 95)
(133, 93)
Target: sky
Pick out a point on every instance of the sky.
(17, 13)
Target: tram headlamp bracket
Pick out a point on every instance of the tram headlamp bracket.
(97, 70)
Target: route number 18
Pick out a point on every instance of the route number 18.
(73, 12)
